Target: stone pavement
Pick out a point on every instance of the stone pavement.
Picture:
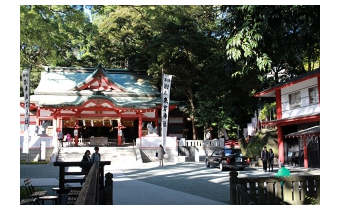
(187, 183)
(126, 191)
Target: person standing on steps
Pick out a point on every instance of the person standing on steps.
(161, 154)
(264, 158)
(96, 155)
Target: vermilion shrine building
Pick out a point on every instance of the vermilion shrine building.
(297, 119)
(97, 103)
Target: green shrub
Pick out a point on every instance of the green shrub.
(265, 110)
(34, 162)
(313, 201)
(23, 193)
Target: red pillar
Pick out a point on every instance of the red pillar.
(156, 120)
(305, 157)
(281, 154)
(319, 88)
(278, 104)
(37, 115)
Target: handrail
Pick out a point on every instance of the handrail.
(89, 193)
(95, 179)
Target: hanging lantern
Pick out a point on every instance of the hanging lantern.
(92, 123)
(84, 123)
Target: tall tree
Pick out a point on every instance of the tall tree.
(272, 38)
(181, 47)
(51, 35)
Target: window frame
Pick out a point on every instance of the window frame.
(313, 95)
(297, 101)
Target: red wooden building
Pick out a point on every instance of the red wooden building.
(297, 119)
(96, 102)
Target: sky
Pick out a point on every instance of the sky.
(10, 56)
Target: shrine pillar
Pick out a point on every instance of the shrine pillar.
(120, 132)
(119, 137)
(140, 125)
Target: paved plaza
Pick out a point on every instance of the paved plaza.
(187, 183)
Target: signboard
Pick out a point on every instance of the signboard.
(26, 88)
(165, 105)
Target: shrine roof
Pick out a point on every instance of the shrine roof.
(56, 80)
(67, 100)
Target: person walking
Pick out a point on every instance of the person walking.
(264, 158)
(271, 159)
(60, 138)
(161, 154)
(96, 155)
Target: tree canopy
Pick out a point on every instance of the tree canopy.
(219, 55)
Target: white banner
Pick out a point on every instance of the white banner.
(165, 105)
(26, 88)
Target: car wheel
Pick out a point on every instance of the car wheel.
(221, 167)
(207, 164)
(242, 168)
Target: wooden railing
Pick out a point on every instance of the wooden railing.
(89, 193)
(274, 190)
(94, 183)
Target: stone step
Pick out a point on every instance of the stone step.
(113, 154)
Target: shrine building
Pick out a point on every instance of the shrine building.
(108, 106)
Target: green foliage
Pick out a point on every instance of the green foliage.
(264, 38)
(254, 147)
(313, 201)
(23, 193)
(265, 111)
(263, 138)
(219, 55)
(35, 162)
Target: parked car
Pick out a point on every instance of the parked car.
(227, 158)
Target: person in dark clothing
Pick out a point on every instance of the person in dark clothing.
(86, 158)
(271, 159)
(264, 158)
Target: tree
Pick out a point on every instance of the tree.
(180, 48)
(272, 38)
(51, 35)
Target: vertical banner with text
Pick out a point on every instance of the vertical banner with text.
(26, 88)
(165, 105)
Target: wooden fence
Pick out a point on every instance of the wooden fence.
(93, 185)
(274, 190)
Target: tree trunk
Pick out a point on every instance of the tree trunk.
(192, 117)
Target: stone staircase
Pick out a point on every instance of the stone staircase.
(113, 154)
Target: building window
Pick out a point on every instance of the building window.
(313, 95)
(295, 100)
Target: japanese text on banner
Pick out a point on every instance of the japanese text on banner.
(26, 88)
(165, 105)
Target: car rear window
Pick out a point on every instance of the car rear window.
(232, 152)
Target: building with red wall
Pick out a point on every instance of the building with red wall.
(297, 119)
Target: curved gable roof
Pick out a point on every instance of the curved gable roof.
(75, 81)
